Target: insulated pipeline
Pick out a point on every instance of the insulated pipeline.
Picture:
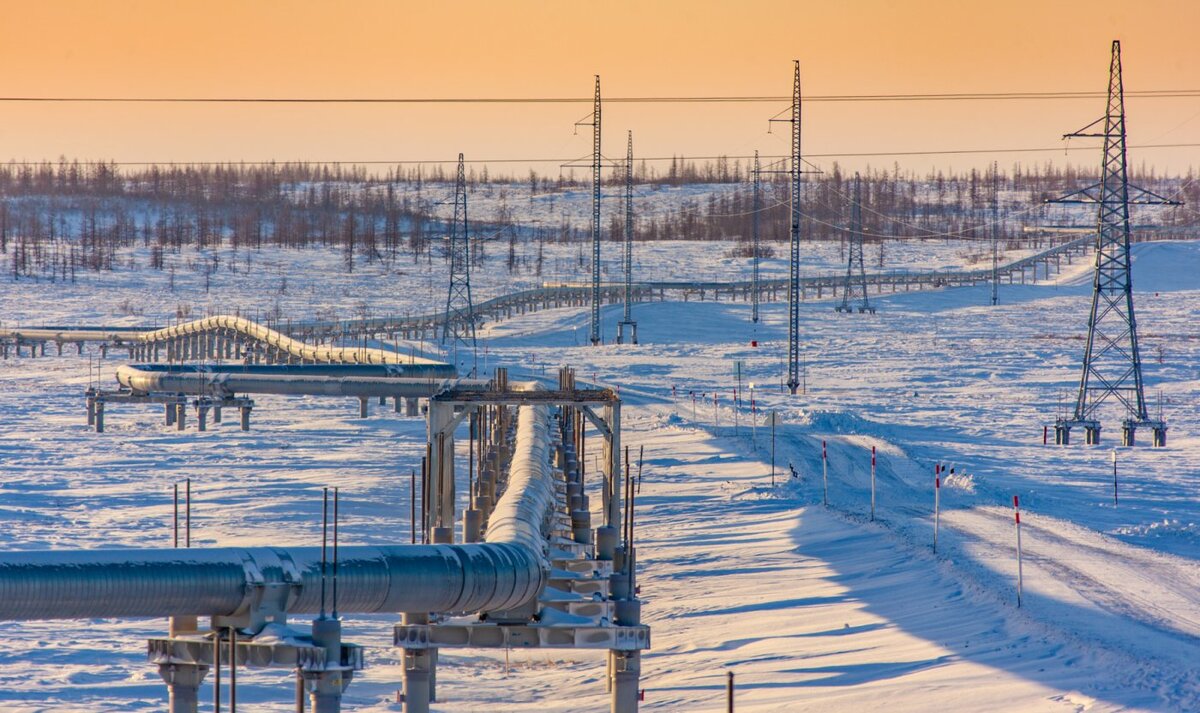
(228, 323)
(143, 380)
(205, 582)
(504, 572)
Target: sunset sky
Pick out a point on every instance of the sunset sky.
(553, 49)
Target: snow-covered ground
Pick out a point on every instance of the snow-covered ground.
(809, 606)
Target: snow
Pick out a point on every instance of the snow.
(809, 606)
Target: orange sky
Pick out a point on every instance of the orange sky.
(468, 48)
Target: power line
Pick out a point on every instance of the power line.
(957, 96)
(648, 159)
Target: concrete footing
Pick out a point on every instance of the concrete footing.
(1129, 429)
(325, 690)
(627, 333)
(626, 671)
(472, 522)
(183, 686)
(419, 665)
(606, 543)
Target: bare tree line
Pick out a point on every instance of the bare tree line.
(57, 218)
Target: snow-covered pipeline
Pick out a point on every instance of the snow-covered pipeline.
(291, 379)
(505, 571)
(232, 323)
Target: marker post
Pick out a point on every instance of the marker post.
(1114, 462)
(772, 449)
(872, 483)
(737, 392)
(825, 473)
(753, 419)
(1020, 574)
(937, 504)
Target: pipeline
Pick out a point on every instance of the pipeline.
(217, 381)
(506, 571)
(253, 330)
(423, 371)
(531, 491)
(496, 305)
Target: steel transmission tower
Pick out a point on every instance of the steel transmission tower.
(596, 164)
(1112, 363)
(459, 325)
(627, 321)
(595, 123)
(854, 293)
(995, 232)
(793, 359)
(754, 249)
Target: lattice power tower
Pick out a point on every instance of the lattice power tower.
(794, 171)
(1112, 364)
(595, 124)
(627, 322)
(459, 325)
(995, 233)
(854, 292)
(754, 239)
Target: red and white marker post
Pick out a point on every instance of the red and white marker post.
(1114, 462)
(1020, 577)
(872, 483)
(825, 471)
(937, 504)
